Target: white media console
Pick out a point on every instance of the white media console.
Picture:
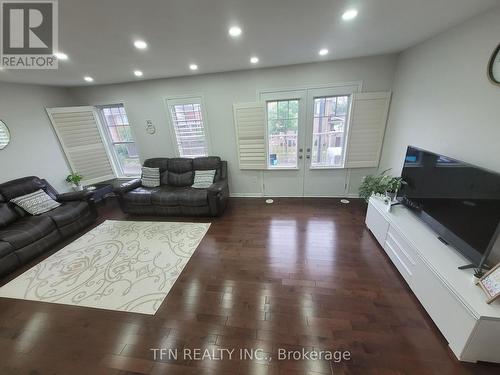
(456, 305)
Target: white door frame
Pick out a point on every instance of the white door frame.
(287, 177)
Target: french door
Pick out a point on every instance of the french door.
(306, 138)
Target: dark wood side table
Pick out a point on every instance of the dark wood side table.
(101, 190)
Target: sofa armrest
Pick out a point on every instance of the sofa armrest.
(218, 194)
(217, 187)
(127, 186)
(83, 195)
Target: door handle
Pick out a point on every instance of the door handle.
(308, 156)
(300, 156)
(301, 150)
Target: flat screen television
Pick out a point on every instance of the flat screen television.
(459, 201)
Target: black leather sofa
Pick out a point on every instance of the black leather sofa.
(24, 236)
(175, 196)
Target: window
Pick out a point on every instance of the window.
(120, 140)
(282, 129)
(329, 129)
(190, 133)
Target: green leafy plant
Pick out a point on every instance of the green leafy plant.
(379, 184)
(393, 184)
(74, 178)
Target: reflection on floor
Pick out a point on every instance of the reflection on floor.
(297, 274)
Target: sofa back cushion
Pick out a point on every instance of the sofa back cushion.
(21, 186)
(180, 172)
(161, 163)
(7, 215)
(208, 163)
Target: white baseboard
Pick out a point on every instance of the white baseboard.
(260, 195)
(246, 195)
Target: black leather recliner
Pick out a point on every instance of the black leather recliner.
(175, 196)
(24, 236)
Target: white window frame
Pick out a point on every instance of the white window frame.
(187, 99)
(109, 142)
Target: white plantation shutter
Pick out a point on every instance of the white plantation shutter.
(250, 123)
(79, 133)
(366, 129)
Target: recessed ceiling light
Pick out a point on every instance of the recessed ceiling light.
(350, 14)
(88, 79)
(138, 73)
(140, 44)
(234, 31)
(254, 59)
(193, 67)
(323, 52)
(61, 56)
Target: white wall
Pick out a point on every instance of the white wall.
(33, 149)
(443, 100)
(144, 100)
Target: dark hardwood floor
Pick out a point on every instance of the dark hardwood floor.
(300, 273)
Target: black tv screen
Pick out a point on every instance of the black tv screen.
(461, 202)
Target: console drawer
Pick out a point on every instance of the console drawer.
(377, 224)
(401, 254)
(453, 319)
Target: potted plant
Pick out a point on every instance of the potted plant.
(74, 179)
(372, 185)
(380, 184)
(392, 185)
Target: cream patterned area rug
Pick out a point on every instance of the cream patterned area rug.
(119, 265)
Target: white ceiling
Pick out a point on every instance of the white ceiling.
(98, 34)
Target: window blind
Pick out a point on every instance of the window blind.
(250, 123)
(186, 115)
(366, 129)
(79, 134)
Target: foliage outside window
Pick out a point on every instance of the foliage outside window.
(282, 127)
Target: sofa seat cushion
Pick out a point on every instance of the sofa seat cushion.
(140, 196)
(5, 249)
(67, 213)
(180, 196)
(26, 230)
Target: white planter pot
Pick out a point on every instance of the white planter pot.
(391, 195)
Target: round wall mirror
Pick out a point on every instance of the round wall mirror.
(4, 135)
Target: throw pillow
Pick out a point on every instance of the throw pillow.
(36, 203)
(203, 179)
(150, 177)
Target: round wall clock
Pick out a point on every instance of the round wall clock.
(494, 67)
